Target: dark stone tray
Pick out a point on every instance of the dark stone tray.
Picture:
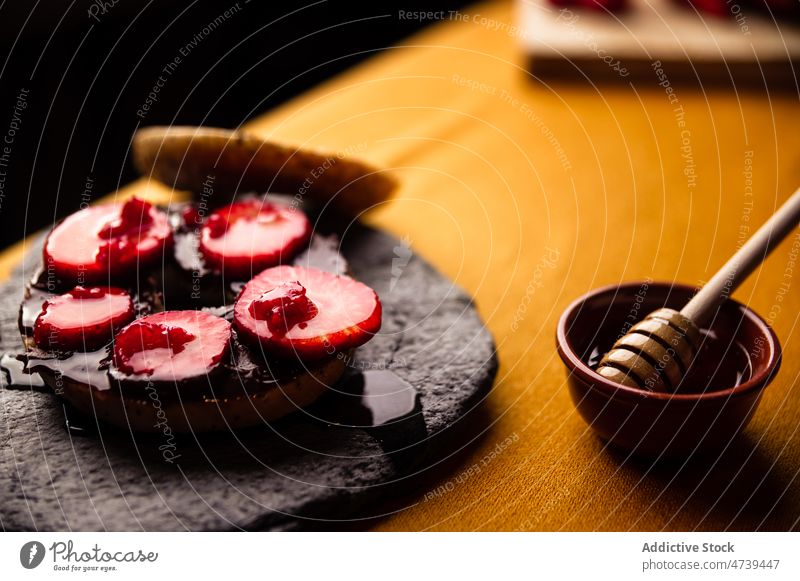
(301, 472)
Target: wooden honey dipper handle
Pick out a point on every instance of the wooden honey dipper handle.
(657, 352)
(706, 302)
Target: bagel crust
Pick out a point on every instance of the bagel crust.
(186, 157)
(151, 413)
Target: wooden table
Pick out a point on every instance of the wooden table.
(529, 194)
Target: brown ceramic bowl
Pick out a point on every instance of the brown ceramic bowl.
(739, 357)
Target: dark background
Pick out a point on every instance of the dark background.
(87, 77)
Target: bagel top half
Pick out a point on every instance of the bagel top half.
(205, 159)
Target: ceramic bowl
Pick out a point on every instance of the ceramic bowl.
(741, 356)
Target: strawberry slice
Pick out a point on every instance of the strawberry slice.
(171, 346)
(110, 240)
(305, 312)
(251, 235)
(83, 319)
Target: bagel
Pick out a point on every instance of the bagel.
(205, 159)
(144, 412)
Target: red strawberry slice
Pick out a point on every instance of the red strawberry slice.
(191, 217)
(83, 319)
(107, 241)
(251, 235)
(171, 346)
(305, 312)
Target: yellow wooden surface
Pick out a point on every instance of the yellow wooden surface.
(530, 194)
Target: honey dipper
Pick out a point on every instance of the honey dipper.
(656, 352)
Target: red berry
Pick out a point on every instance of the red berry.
(283, 307)
(83, 319)
(191, 217)
(107, 241)
(172, 346)
(251, 235)
(305, 312)
(133, 216)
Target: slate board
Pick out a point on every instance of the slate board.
(299, 473)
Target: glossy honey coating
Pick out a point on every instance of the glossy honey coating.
(655, 354)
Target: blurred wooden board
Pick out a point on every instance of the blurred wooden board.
(744, 48)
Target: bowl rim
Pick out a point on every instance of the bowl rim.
(575, 365)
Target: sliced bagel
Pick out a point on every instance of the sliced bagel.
(206, 160)
(220, 384)
(155, 413)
